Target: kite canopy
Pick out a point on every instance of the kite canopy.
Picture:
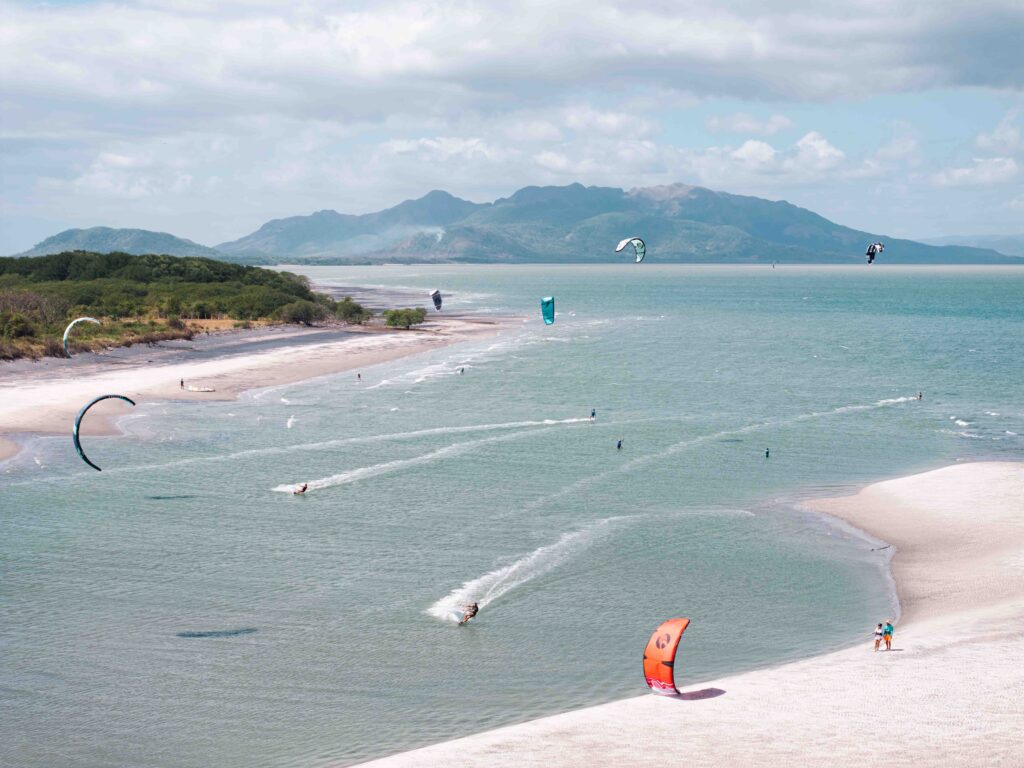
(660, 656)
(78, 423)
(873, 250)
(639, 247)
(436, 296)
(72, 325)
(547, 309)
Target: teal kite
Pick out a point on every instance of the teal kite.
(547, 309)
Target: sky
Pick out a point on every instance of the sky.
(208, 118)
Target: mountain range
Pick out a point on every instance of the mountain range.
(574, 223)
(1011, 245)
(108, 240)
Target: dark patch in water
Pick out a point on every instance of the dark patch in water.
(731, 440)
(220, 632)
(169, 498)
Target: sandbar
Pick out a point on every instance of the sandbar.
(951, 692)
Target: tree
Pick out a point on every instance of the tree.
(349, 311)
(404, 318)
(302, 312)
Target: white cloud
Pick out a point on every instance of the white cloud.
(985, 171)
(584, 118)
(814, 153)
(162, 111)
(741, 122)
(1005, 139)
(754, 153)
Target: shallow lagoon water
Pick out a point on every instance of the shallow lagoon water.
(183, 609)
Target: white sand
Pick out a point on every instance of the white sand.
(950, 694)
(47, 404)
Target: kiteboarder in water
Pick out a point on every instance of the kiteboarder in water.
(301, 490)
(767, 453)
(471, 610)
(593, 413)
(618, 445)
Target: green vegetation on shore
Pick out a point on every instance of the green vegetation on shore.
(404, 318)
(144, 299)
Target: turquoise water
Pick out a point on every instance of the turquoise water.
(430, 487)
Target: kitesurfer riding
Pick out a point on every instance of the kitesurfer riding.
(593, 413)
(301, 489)
(471, 610)
(618, 445)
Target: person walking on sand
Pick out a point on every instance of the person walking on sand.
(878, 636)
(887, 634)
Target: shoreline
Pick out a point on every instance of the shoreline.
(42, 398)
(951, 692)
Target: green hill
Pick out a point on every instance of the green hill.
(581, 224)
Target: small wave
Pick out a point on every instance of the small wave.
(991, 413)
(485, 589)
(286, 401)
(961, 423)
(288, 424)
(1008, 432)
(962, 433)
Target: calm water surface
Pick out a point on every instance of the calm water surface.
(431, 487)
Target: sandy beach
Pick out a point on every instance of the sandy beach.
(43, 397)
(951, 692)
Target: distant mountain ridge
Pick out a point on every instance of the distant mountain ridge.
(568, 224)
(574, 223)
(332, 234)
(134, 241)
(1011, 245)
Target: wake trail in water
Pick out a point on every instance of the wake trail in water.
(485, 589)
(301, 447)
(684, 445)
(455, 449)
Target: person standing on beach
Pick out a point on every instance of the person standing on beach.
(887, 634)
(878, 636)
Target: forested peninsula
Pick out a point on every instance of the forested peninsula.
(146, 298)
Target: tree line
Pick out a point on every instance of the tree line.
(150, 295)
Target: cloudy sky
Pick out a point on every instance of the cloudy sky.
(206, 118)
